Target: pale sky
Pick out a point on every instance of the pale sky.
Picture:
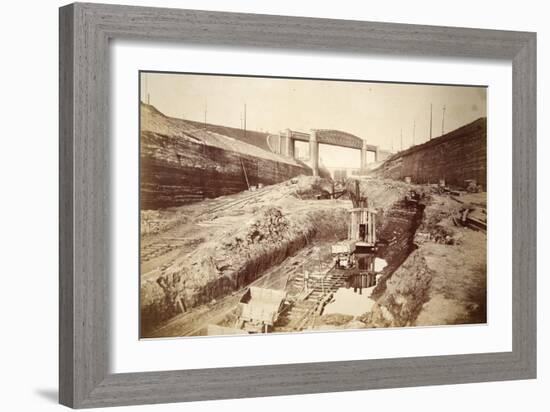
(376, 112)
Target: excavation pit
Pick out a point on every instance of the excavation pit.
(273, 239)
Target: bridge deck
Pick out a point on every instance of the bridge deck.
(334, 138)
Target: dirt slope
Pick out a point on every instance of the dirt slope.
(154, 121)
(443, 281)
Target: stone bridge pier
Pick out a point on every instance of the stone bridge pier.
(314, 152)
(364, 155)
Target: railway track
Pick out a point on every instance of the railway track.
(303, 310)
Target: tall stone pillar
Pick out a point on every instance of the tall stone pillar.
(314, 152)
(364, 155)
(282, 143)
(289, 144)
(286, 144)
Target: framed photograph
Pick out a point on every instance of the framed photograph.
(257, 205)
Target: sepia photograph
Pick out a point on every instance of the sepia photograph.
(289, 205)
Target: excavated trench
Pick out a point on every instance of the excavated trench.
(267, 245)
(245, 256)
(397, 229)
(237, 261)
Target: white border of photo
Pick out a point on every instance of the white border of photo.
(130, 354)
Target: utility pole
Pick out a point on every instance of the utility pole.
(401, 139)
(205, 112)
(414, 130)
(443, 122)
(245, 120)
(431, 107)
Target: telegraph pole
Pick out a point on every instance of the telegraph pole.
(401, 139)
(414, 130)
(443, 122)
(205, 112)
(431, 107)
(245, 120)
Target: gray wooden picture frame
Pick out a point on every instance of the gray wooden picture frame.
(85, 32)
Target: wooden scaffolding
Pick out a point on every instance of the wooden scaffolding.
(362, 227)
